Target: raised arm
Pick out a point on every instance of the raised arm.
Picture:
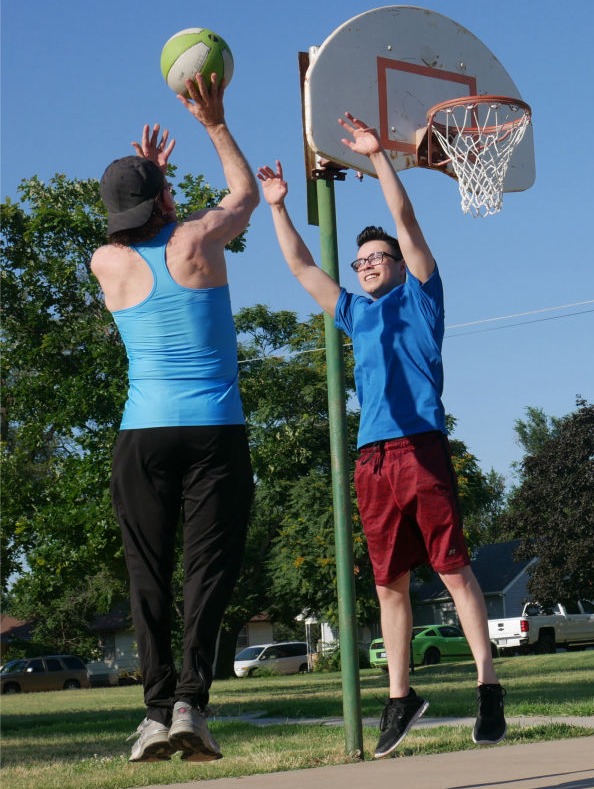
(298, 257)
(233, 212)
(415, 249)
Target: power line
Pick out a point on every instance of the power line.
(522, 314)
(521, 323)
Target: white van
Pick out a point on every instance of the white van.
(289, 657)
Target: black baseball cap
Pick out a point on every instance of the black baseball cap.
(128, 189)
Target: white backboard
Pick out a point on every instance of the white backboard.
(388, 66)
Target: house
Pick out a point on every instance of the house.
(259, 630)
(503, 580)
(12, 631)
(116, 638)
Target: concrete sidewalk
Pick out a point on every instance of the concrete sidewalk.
(560, 764)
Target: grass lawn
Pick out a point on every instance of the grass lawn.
(77, 739)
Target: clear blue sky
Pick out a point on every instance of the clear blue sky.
(79, 79)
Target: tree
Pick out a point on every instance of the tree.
(63, 380)
(64, 373)
(552, 510)
(536, 430)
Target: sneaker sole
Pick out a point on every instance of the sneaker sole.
(490, 742)
(193, 747)
(421, 711)
(154, 752)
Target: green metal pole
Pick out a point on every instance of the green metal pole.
(349, 651)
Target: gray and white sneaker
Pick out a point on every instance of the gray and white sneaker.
(152, 742)
(190, 735)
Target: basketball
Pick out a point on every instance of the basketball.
(194, 50)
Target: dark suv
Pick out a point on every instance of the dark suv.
(49, 672)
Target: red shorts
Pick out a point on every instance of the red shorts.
(408, 502)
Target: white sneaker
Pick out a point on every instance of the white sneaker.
(190, 735)
(152, 742)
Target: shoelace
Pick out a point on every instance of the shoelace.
(391, 710)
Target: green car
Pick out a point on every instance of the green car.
(430, 644)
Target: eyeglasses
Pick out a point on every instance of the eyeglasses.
(375, 259)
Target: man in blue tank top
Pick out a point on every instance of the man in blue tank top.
(182, 448)
(404, 479)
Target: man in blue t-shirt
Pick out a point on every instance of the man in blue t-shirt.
(404, 479)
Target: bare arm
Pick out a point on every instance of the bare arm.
(298, 257)
(232, 214)
(415, 249)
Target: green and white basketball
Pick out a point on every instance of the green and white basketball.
(194, 50)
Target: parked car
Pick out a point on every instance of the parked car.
(101, 675)
(49, 672)
(289, 657)
(430, 644)
(569, 625)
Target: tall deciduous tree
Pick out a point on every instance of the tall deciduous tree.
(552, 509)
(64, 385)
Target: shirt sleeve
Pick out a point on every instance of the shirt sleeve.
(429, 295)
(343, 314)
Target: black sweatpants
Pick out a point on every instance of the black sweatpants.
(205, 474)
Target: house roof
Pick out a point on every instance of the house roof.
(493, 565)
(11, 628)
(119, 618)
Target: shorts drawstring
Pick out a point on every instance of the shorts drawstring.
(377, 457)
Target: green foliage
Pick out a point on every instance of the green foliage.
(536, 430)
(329, 660)
(64, 375)
(552, 510)
(64, 386)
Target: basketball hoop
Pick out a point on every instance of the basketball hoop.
(478, 135)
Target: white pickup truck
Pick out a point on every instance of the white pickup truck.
(568, 625)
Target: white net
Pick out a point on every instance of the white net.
(479, 136)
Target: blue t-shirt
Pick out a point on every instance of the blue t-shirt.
(182, 351)
(397, 343)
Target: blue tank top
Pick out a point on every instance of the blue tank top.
(182, 351)
(397, 343)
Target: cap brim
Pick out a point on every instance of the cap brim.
(133, 217)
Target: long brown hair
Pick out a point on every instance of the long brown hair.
(136, 235)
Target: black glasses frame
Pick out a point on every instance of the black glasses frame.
(376, 257)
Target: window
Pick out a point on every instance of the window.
(572, 607)
(53, 664)
(108, 648)
(242, 638)
(36, 666)
(73, 662)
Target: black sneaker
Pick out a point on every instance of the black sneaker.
(490, 725)
(397, 718)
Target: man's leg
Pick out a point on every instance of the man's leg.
(396, 621)
(404, 707)
(470, 605)
(146, 499)
(490, 726)
(218, 488)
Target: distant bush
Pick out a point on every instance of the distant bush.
(329, 659)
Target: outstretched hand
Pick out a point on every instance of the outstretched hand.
(150, 148)
(365, 139)
(274, 188)
(205, 100)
